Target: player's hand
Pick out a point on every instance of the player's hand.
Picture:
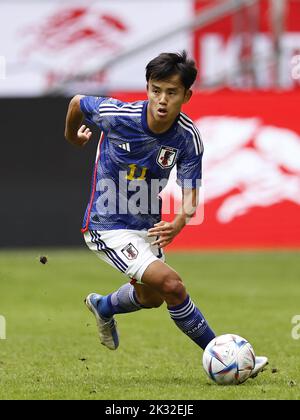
(83, 134)
(166, 232)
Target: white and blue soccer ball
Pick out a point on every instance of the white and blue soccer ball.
(229, 359)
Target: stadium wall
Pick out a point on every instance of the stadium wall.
(44, 180)
(45, 42)
(251, 169)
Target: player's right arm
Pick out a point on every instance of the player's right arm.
(75, 132)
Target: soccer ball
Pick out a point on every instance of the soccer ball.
(229, 359)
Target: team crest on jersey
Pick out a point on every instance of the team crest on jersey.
(166, 157)
(130, 252)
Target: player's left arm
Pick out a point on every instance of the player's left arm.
(167, 231)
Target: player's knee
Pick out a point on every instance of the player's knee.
(173, 286)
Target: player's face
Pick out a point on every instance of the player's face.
(166, 98)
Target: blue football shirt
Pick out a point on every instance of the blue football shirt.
(133, 164)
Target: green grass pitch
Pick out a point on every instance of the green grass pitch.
(52, 349)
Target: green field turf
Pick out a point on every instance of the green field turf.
(52, 349)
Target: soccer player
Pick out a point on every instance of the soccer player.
(140, 144)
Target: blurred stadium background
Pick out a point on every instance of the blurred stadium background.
(246, 104)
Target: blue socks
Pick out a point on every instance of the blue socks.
(186, 316)
(189, 319)
(122, 301)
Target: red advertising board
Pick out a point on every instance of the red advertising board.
(252, 47)
(251, 170)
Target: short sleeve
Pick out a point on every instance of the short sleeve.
(90, 106)
(189, 164)
(189, 170)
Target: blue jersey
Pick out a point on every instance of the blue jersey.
(133, 164)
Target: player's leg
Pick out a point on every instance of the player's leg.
(147, 296)
(159, 282)
(130, 297)
(163, 279)
(112, 247)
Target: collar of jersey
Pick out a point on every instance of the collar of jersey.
(147, 129)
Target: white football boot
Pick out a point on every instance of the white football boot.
(107, 328)
(260, 364)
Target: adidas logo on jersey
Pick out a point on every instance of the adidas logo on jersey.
(125, 146)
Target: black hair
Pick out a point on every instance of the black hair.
(168, 64)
